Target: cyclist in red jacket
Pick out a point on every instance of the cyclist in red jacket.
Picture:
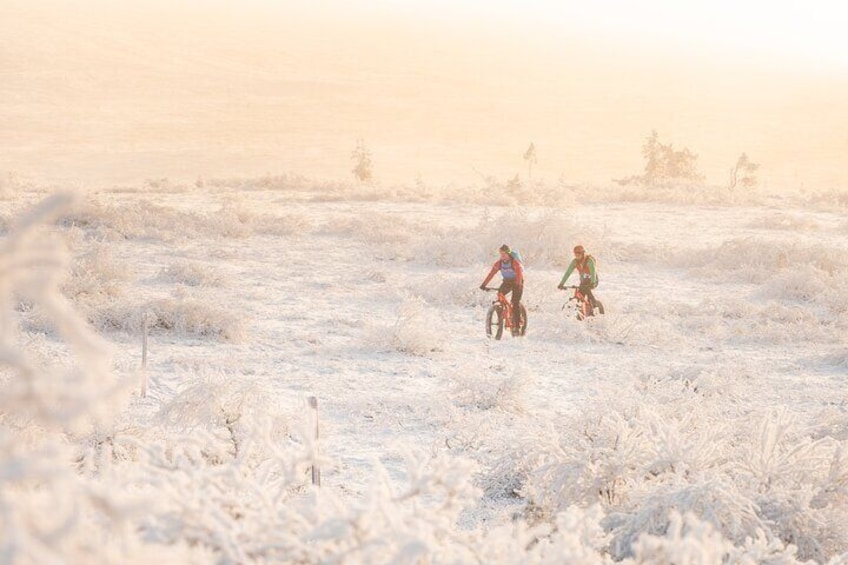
(513, 281)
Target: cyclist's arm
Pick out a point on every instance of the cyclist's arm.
(519, 272)
(568, 272)
(495, 269)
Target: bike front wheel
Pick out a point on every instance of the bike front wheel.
(494, 322)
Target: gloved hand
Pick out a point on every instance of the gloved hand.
(561, 287)
(482, 287)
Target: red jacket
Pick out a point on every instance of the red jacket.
(507, 267)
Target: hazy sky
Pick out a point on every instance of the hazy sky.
(116, 92)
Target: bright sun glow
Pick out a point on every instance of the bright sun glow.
(795, 33)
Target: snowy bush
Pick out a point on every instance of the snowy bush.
(417, 330)
(187, 316)
(804, 283)
(688, 539)
(687, 454)
(229, 408)
(783, 221)
(486, 391)
(144, 219)
(48, 512)
(193, 273)
(543, 239)
(459, 290)
(180, 315)
(97, 276)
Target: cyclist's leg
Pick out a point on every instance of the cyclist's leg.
(589, 298)
(517, 291)
(506, 287)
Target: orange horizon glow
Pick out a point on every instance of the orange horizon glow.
(442, 91)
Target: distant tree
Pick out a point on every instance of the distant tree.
(362, 168)
(744, 173)
(530, 157)
(664, 164)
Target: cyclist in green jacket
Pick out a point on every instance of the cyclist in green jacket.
(585, 265)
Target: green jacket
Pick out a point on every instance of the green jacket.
(586, 270)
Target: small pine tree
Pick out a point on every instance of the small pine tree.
(664, 164)
(747, 169)
(530, 157)
(363, 167)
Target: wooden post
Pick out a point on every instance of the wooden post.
(144, 355)
(316, 471)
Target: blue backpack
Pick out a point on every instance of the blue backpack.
(515, 254)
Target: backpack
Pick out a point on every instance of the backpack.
(515, 254)
(597, 276)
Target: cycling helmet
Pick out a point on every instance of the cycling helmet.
(578, 249)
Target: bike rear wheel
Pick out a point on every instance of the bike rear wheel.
(597, 310)
(522, 324)
(494, 322)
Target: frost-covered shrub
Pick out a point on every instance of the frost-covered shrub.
(142, 219)
(193, 273)
(803, 284)
(714, 500)
(755, 260)
(286, 225)
(97, 276)
(459, 290)
(487, 391)
(688, 539)
(48, 512)
(181, 315)
(681, 442)
(187, 316)
(799, 495)
(417, 330)
(228, 407)
(543, 239)
(785, 221)
(387, 234)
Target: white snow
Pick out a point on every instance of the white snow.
(704, 417)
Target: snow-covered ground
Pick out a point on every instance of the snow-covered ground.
(704, 417)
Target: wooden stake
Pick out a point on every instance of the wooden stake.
(316, 471)
(144, 355)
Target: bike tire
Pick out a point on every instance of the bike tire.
(599, 307)
(522, 322)
(494, 322)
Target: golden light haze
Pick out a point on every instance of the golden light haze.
(102, 92)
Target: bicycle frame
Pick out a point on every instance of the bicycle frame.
(500, 317)
(507, 308)
(505, 304)
(584, 308)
